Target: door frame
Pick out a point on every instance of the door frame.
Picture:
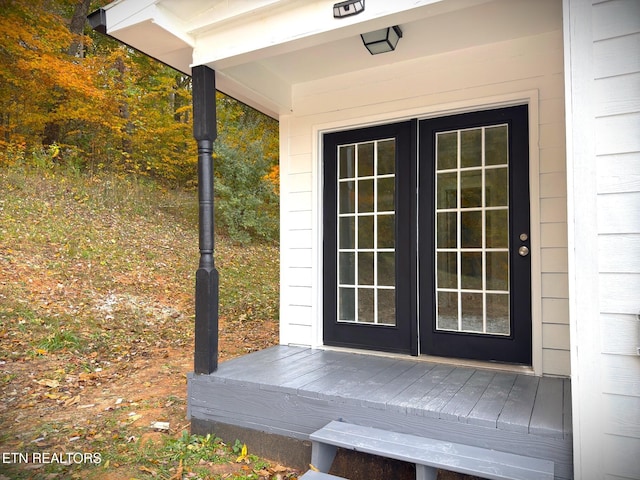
(528, 97)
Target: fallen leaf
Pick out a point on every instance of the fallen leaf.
(148, 470)
(47, 382)
(72, 401)
(178, 474)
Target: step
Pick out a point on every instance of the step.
(313, 475)
(428, 454)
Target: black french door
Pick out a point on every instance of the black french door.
(369, 234)
(426, 237)
(475, 267)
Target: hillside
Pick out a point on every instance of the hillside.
(96, 319)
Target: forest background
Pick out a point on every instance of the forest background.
(72, 97)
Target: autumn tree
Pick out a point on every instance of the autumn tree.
(103, 105)
(43, 95)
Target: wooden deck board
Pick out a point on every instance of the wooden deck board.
(545, 419)
(434, 401)
(487, 410)
(468, 396)
(516, 414)
(294, 391)
(409, 399)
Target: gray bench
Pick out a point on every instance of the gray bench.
(428, 454)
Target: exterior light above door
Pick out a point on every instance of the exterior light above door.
(381, 41)
(348, 8)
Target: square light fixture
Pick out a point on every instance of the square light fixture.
(381, 41)
(348, 8)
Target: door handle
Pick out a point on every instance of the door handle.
(523, 251)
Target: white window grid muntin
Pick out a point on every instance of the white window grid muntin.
(459, 249)
(355, 215)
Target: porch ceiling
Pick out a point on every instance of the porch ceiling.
(260, 49)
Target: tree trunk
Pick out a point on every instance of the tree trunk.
(76, 27)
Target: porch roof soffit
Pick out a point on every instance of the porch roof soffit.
(260, 49)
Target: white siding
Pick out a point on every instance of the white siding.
(461, 80)
(606, 374)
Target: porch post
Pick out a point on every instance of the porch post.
(204, 131)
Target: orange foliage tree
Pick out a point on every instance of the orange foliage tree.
(72, 96)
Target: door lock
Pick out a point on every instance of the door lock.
(523, 251)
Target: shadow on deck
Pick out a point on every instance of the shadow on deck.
(293, 391)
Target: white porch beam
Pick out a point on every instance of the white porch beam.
(291, 26)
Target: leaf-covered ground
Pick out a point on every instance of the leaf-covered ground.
(96, 326)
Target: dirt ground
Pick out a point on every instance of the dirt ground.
(44, 408)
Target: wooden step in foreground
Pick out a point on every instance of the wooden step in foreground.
(428, 454)
(313, 475)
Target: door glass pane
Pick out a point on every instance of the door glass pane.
(497, 270)
(472, 231)
(472, 312)
(447, 228)
(447, 184)
(347, 197)
(365, 268)
(366, 305)
(365, 159)
(496, 145)
(497, 228)
(365, 196)
(447, 145)
(386, 194)
(496, 187)
(498, 314)
(471, 270)
(347, 304)
(387, 269)
(471, 148)
(347, 233)
(347, 268)
(447, 311)
(366, 233)
(347, 156)
(471, 188)
(447, 270)
(386, 157)
(387, 307)
(386, 231)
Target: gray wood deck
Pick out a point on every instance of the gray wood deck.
(294, 391)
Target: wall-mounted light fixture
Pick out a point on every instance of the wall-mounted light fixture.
(381, 41)
(348, 8)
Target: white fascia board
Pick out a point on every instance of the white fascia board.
(152, 30)
(291, 26)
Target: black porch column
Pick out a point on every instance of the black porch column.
(204, 131)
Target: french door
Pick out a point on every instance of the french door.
(426, 242)
(475, 268)
(369, 234)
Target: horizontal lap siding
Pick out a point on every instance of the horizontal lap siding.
(416, 89)
(616, 49)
